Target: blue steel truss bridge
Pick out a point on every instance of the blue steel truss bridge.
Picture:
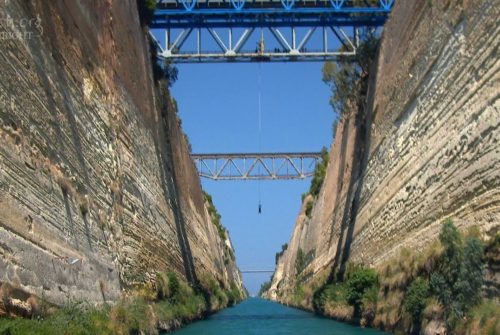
(257, 166)
(193, 31)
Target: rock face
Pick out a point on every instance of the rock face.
(426, 147)
(97, 188)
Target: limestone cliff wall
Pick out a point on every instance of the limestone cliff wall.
(97, 188)
(426, 147)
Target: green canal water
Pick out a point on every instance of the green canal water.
(256, 316)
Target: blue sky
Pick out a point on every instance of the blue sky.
(218, 105)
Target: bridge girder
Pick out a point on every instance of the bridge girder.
(201, 22)
(256, 166)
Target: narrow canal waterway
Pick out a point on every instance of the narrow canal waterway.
(256, 316)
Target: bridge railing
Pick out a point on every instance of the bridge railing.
(190, 5)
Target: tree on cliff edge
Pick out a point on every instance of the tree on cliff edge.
(146, 9)
(348, 76)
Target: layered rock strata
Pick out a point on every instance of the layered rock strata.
(424, 149)
(97, 188)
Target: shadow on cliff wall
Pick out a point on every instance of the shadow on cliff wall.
(362, 143)
(70, 218)
(167, 168)
(42, 69)
(172, 195)
(340, 184)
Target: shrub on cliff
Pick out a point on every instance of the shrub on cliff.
(220, 295)
(335, 124)
(334, 294)
(347, 77)
(441, 283)
(309, 207)
(233, 295)
(162, 286)
(137, 314)
(492, 250)
(482, 319)
(317, 181)
(319, 173)
(146, 9)
(300, 261)
(358, 282)
(358, 291)
(162, 69)
(443, 280)
(214, 215)
(298, 294)
(264, 287)
(415, 300)
(279, 254)
(470, 278)
(171, 289)
(341, 77)
(176, 294)
(459, 276)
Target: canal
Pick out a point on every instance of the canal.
(256, 316)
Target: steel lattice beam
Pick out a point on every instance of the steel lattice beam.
(197, 20)
(255, 166)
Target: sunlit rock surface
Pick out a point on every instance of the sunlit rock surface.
(97, 188)
(426, 149)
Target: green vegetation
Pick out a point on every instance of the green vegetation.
(216, 220)
(72, 319)
(359, 281)
(139, 313)
(350, 298)
(164, 73)
(220, 296)
(163, 70)
(459, 276)
(309, 207)
(264, 287)
(444, 282)
(279, 254)
(332, 293)
(319, 173)
(298, 294)
(358, 285)
(171, 300)
(146, 9)
(215, 216)
(416, 297)
(234, 295)
(334, 128)
(317, 181)
(300, 262)
(348, 77)
(482, 319)
(493, 247)
(341, 77)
